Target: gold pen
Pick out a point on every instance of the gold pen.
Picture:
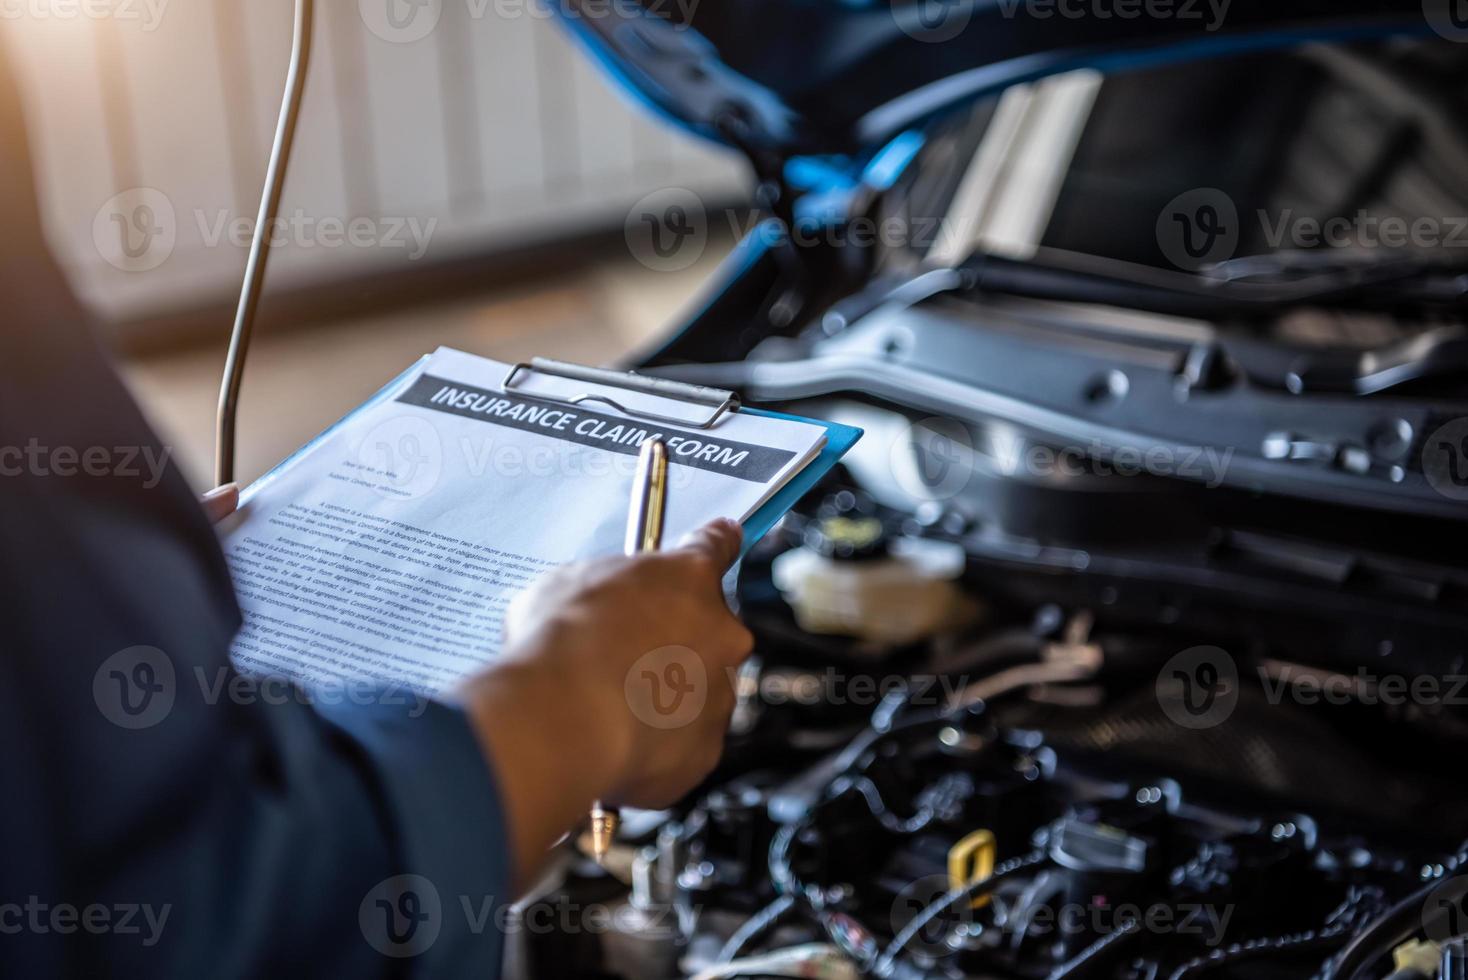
(644, 533)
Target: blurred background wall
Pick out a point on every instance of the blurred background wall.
(462, 176)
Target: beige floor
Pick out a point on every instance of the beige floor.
(299, 382)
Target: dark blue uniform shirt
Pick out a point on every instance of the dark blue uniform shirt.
(159, 819)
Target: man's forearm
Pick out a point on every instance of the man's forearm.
(550, 759)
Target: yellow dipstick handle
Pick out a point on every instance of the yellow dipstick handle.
(971, 860)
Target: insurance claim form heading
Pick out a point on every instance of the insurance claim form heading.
(389, 548)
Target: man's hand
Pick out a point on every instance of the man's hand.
(645, 645)
(614, 684)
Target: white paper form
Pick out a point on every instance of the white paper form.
(390, 548)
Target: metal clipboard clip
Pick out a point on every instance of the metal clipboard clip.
(719, 401)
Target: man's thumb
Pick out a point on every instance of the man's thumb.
(719, 540)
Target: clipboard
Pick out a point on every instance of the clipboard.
(718, 402)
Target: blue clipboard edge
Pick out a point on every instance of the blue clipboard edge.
(839, 440)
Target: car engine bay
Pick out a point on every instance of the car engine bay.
(1128, 642)
(1033, 793)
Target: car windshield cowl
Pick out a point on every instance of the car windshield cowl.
(1262, 285)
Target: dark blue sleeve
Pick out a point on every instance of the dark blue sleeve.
(448, 905)
(169, 818)
(223, 833)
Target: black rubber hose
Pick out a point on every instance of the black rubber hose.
(757, 925)
(886, 963)
(1097, 954)
(1396, 926)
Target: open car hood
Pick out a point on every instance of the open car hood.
(803, 77)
